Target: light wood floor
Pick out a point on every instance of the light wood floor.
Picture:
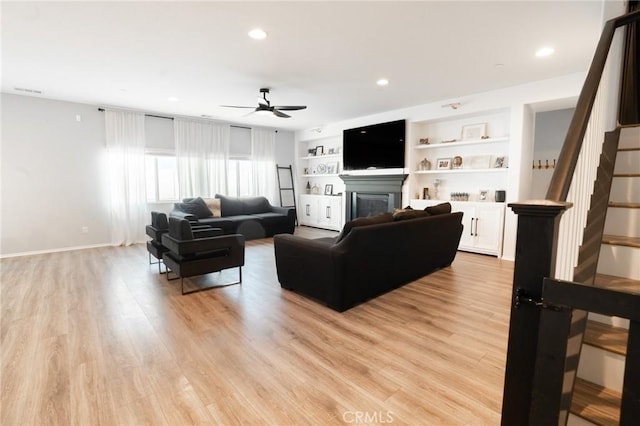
(98, 337)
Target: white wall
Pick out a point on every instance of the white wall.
(550, 131)
(54, 177)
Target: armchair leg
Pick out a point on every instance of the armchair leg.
(210, 287)
(159, 262)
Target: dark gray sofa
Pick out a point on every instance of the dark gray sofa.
(373, 256)
(253, 217)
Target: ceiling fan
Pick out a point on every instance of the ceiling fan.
(265, 107)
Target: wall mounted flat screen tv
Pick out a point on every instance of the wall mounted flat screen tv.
(379, 146)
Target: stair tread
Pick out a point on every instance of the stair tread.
(624, 205)
(626, 175)
(596, 403)
(612, 282)
(607, 337)
(629, 149)
(621, 240)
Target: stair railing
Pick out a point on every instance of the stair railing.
(535, 390)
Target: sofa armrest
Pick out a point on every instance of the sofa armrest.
(183, 215)
(287, 211)
(199, 245)
(206, 231)
(310, 267)
(154, 232)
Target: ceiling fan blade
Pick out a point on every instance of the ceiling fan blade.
(236, 106)
(290, 107)
(280, 114)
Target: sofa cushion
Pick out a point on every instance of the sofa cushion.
(404, 214)
(363, 221)
(230, 206)
(439, 209)
(254, 205)
(194, 206)
(213, 204)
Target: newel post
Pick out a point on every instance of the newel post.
(536, 245)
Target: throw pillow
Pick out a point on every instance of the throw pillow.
(363, 221)
(404, 214)
(213, 204)
(439, 209)
(196, 207)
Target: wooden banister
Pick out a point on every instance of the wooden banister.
(568, 158)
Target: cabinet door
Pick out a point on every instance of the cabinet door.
(488, 228)
(330, 212)
(468, 222)
(308, 210)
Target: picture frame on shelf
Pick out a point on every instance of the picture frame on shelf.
(319, 150)
(474, 131)
(443, 164)
(328, 189)
(332, 168)
(307, 171)
(456, 163)
(311, 152)
(423, 141)
(500, 162)
(483, 195)
(479, 162)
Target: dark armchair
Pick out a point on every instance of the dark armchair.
(208, 251)
(159, 226)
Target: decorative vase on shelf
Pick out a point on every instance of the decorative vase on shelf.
(308, 188)
(424, 165)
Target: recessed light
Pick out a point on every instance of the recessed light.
(257, 34)
(382, 82)
(545, 51)
(172, 99)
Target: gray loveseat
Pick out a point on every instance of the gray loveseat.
(253, 217)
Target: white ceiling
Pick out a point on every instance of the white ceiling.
(326, 55)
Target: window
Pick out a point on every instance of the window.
(162, 177)
(240, 177)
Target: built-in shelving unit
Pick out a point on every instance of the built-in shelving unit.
(319, 182)
(463, 154)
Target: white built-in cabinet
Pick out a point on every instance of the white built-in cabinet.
(483, 224)
(321, 211)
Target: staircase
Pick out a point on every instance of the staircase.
(597, 392)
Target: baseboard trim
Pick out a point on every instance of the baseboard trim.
(58, 250)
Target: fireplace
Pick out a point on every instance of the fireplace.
(369, 195)
(364, 204)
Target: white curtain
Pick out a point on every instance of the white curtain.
(263, 146)
(202, 151)
(125, 147)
